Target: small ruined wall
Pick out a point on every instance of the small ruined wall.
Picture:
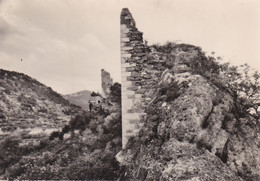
(106, 82)
(140, 72)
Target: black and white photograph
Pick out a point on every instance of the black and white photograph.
(130, 90)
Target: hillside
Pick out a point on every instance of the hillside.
(79, 98)
(84, 148)
(29, 108)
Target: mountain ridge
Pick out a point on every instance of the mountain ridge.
(80, 98)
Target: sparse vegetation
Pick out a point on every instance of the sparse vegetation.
(84, 149)
(170, 91)
(240, 81)
(86, 146)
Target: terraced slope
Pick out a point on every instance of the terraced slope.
(29, 108)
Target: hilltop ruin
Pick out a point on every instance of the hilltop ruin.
(106, 82)
(139, 77)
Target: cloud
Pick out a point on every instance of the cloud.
(5, 29)
(65, 43)
(57, 41)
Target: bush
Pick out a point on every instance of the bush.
(115, 93)
(56, 134)
(66, 129)
(93, 94)
(170, 91)
(2, 116)
(80, 121)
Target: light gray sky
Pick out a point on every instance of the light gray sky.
(65, 43)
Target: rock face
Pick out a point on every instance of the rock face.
(197, 136)
(192, 129)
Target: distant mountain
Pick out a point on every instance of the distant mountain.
(79, 98)
(28, 107)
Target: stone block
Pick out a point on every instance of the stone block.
(134, 121)
(124, 29)
(133, 88)
(138, 96)
(128, 92)
(133, 116)
(126, 48)
(127, 84)
(130, 69)
(128, 65)
(141, 91)
(124, 78)
(147, 76)
(127, 44)
(126, 55)
(148, 99)
(140, 54)
(138, 126)
(128, 103)
(126, 60)
(125, 39)
(130, 96)
(136, 131)
(125, 51)
(129, 131)
(135, 110)
(136, 79)
(135, 74)
(124, 65)
(124, 35)
(126, 73)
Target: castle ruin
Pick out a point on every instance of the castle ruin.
(139, 76)
(106, 82)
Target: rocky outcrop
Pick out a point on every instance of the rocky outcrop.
(193, 128)
(193, 132)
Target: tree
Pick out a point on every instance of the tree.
(244, 82)
(115, 93)
(80, 122)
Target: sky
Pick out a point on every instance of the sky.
(65, 43)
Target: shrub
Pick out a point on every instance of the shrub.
(2, 116)
(56, 134)
(80, 121)
(66, 129)
(115, 93)
(93, 94)
(170, 91)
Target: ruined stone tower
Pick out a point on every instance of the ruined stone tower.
(132, 53)
(106, 82)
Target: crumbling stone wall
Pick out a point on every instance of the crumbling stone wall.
(106, 82)
(140, 72)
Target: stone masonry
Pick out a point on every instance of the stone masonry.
(141, 69)
(106, 82)
(132, 53)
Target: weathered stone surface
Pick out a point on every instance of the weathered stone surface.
(196, 136)
(198, 147)
(107, 82)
